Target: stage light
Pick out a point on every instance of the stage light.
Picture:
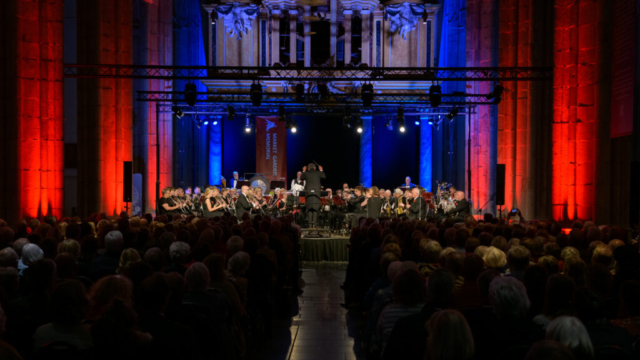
(231, 113)
(282, 116)
(213, 18)
(190, 94)
(256, 94)
(323, 90)
(400, 116)
(206, 122)
(425, 16)
(300, 93)
(452, 114)
(417, 122)
(435, 95)
(247, 126)
(215, 122)
(177, 112)
(359, 126)
(496, 95)
(346, 120)
(367, 95)
(388, 124)
(294, 126)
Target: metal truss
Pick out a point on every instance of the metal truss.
(315, 99)
(302, 74)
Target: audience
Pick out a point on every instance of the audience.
(100, 288)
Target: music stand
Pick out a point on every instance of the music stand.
(243, 183)
(276, 184)
(310, 192)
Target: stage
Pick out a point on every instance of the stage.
(317, 249)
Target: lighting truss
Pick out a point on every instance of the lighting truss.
(275, 99)
(307, 73)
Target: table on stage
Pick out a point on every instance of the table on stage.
(325, 249)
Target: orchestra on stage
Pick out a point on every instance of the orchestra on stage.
(314, 206)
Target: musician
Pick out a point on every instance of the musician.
(274, 199)
(407, 184)
(197, 191)
(259, 200)
(243, 205)
(312, 183)
(281, 204)
(373, 202)
(166, 206)
(462, 209)
(188, 191)
(233, 193)
(298, 183)
(234, 180)
(452, 191)
(213, 203)
(356, 209)
(417, 209)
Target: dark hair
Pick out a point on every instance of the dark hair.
(559, 293)
(630, 296)
(153, 293)
(69, 302)
(588, 306)
(440, 287)
(409, 287)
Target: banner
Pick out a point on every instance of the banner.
(271, 148)
(623, 67)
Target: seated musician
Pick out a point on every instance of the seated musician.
(407, 184)
(281, 204)
(462, 208)
(373, 202)
(166, 205)
(358, 208)
(417, 208)
(259, 199)
(213, 203)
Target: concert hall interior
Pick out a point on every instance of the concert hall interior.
(222, 118)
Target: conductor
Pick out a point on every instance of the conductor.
(312, 190)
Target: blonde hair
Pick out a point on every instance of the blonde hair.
(394, 249)
(494, 258)
(209, 190)
(375, 191)
(128, 256)
(69, 246)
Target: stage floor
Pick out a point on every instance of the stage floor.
(333, 249)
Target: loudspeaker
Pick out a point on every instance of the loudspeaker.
(127, 181)
(501, 171)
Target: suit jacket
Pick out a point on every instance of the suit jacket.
(462, 209)
(313, 180)
(242, 206)
(418, 209)
(355, 202)
(234, 183)
(404, 186)
(374, 206)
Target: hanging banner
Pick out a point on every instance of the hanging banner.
(271, 148)
(623, 67)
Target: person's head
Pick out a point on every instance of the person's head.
(153, 294)
(500, 242)
(570, 332)
(8, 258)
(387, 194)
(113, 242)
(509, 299)
(19, 244)
(559, 293)
(239, 263)
(299, 174)
(473, 266)
(575, 268)
(31, 253)
(409, 288)
(235, 175)
(69, 246)
(358, 190)
(127, 257)
(107, 289)
(179, 252)
(455, 262)
(588, 306)
(431, 251)
(494, 258)
(550, 264)
(397, 193)
(257, 191)
(602, 255)
(197, 277)
(374, 191)
(166, 192)
(440, 286)
(155, 258)
(569, 251)
(407, 180)
(415, 193)
(518, 258)
(235, 244)
(449, 336)
(69, 303)
(345, 186)
(459, 195)
(452, 190)
(311, 167)
(244, 189)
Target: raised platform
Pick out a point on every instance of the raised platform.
(330, 248)
(316, 233)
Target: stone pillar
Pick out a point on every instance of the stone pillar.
(366, 36)
(275, 36)
(104, 105)
(153, 46)
(333, 41)
(347, 36)
(307, 37)
(377, 55)
(32, 101)
(426, 155)
(366, 141)
(293, 36)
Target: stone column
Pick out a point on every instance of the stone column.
(377, 38)
(366, 36)
(333, 41)
(366, 141)
(347, 36)
(307, 38)
(275, 36)
(293, 36)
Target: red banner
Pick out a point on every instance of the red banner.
(271, 147)
(623, 67)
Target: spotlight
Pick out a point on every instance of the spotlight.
(177, 112)
(323, 90)
(367, 95)
(452, 114)
(231, 113)
(282, 116)
(424, 17)
(256, 94)
(190, 94)
(247, 126)
(435, 95)
(206, 122)
(346, 120)
(215, 122)
(400, 116)
(294, 127)
(417, 122)
(213, 19)
(300, 93)
(496, 95)
(359, 126)
(388, 124)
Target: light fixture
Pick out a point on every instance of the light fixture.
(359, 125)
(400, 116)
(417, 122)
(256, 94)
(388, 124)
(231, 113)
(190, 94)
(294, 126)
(367, 95)
(206, 122)
(496, 95)
(177, 112)
(213, 18)
(323, 90)
(425, 16)
(435, 95)
(452, 114)
(346, 120)
(300, 93)
(215, 122)
(282, 116)
(247, 126)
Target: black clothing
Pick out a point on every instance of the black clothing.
(162, 210)
(408, 337)
(356, 201)
(205, 208)
(170, 340)
(374, 207)
(104, 265)
(242, 206)
(313, 182)
(418, 209)
(462, 209)
(179, 268)
(405, 186)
